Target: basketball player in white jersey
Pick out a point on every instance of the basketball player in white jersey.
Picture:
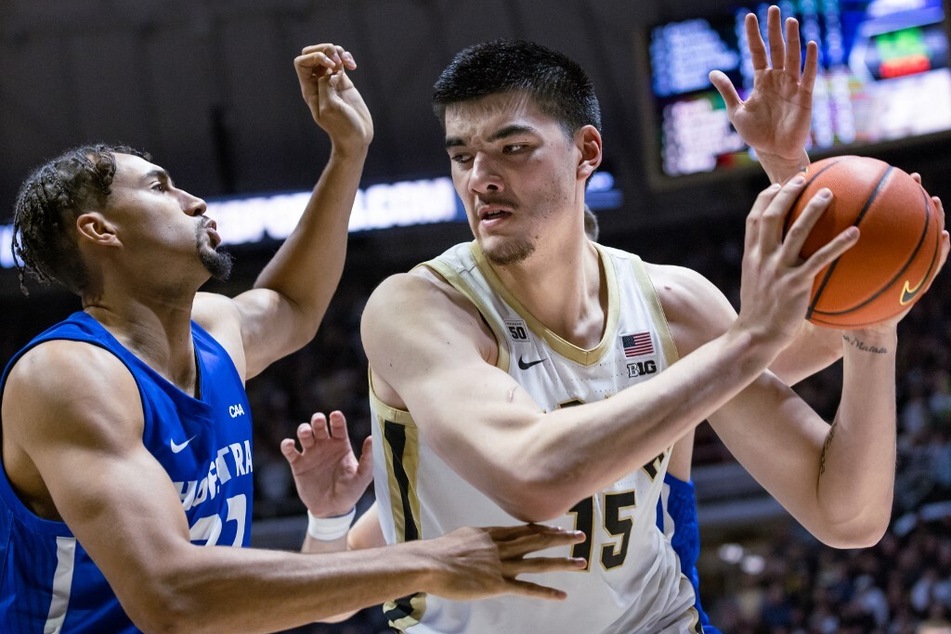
(533, 375)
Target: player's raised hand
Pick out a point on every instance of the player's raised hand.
(775, 119)
(327, 474)
(335, 103)
(474, 563)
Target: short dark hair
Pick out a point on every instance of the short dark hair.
(49, 201)
(557, 83)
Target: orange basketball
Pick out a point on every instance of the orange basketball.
(898, 248)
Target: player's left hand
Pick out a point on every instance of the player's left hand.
(334, 102)
(776, 118)
(327, 474)
(942, 259)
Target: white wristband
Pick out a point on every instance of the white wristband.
(327, 529)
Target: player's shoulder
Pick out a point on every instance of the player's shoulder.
(680, 282)
(56, 363)
(418, 289)
(695, 308)
(67, 378)
(209, 310)
(419, 304)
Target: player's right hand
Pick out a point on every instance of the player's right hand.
(474, 563)
(328, 476)
(335, 103)
(776, 281)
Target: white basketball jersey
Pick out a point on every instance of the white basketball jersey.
(633, 581)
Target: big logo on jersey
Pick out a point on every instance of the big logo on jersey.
(641, 368)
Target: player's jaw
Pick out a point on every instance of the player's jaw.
(217, 263)
(496, 226)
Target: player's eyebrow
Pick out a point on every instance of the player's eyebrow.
(157, 173)
(502, 133)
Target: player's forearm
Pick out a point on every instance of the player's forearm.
(320, 547)
(307, 267)
(237, 590)
(857, 464)
(781, 168)
(813, 350)
(630, 429)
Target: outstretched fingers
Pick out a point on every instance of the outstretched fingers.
(793, 49)
(755, 43)
(338, 426)
(305, 437)
(529, 589)
(515, 542)
(810, 69)
(518, 541)
(800, 229)
(755, 225)
(777, 47)
(317, 428)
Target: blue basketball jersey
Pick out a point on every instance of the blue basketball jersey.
(677, 518)
(48, 583)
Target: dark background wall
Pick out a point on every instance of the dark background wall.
(207, 86)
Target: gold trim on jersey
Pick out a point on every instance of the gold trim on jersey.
(565, 348)
(405, 612)
(455, 280)
(401, 450)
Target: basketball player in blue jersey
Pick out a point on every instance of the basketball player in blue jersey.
(534, 375)
(126, 432)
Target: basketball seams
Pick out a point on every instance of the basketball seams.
(898, 251)
(789, 217)
(890, 285)
(827, 276)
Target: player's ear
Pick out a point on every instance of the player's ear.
(589, 142)
(95, 228)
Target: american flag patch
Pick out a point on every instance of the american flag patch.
(637, 344)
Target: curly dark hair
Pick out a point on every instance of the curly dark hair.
(557, 83)
(49, 201)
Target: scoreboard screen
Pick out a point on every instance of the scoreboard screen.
(883, 76)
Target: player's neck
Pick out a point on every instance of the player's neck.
(565, 291)
(159, 334)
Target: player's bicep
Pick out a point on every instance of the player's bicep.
(81, 427)
(255, 327)
(434, 364)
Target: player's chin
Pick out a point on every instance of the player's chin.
(506, 252)
(218, 263)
